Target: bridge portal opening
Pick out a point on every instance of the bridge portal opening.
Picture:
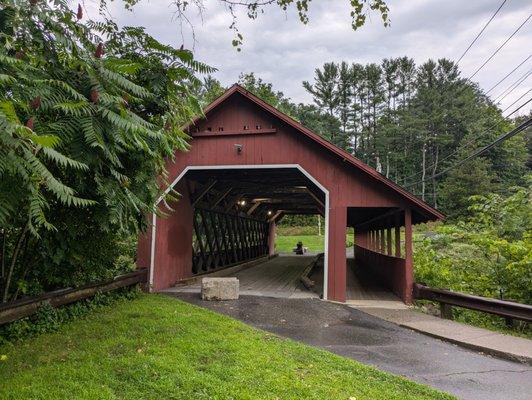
(226, 217)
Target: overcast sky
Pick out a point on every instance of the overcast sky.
(281, 50)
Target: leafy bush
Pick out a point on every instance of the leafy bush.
(89, 115)
(488, 255)
(49, 319)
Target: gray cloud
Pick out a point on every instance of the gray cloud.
(278, 48)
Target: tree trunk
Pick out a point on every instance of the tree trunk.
(2, 258)
(14, 258)
(434, 169)
(423, 166)
(26, 261)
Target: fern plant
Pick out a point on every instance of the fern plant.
(84, 126)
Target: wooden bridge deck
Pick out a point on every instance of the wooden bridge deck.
(363, 291)
(280, 277)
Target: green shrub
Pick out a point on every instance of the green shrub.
(488, 255)
(49, 319)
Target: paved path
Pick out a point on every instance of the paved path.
(498, 344)
(355, 334)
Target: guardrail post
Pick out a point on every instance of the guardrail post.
(508, 310)
(446, 311)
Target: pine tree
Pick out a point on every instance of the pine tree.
(344, 95)
(324, 90)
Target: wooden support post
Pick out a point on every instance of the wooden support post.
(383, 242)
(409, 267)
(271, 238)
(397, 236)
(446, 311)
(389, 241)
(336, 285)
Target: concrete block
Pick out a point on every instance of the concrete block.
(219, 288)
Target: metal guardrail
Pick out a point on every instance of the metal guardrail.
(507, 309)
(13, 311)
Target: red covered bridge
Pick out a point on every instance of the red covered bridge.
(248, 166)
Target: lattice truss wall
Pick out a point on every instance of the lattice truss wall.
(220, 240)
(233, 210)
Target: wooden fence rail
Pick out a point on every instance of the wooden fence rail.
(13, 311)
(507, 309)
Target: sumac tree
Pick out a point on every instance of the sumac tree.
(88, 114)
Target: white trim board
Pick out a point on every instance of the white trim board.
(253, 166)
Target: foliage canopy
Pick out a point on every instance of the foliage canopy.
(85, 130)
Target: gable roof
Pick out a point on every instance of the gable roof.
(430, 212)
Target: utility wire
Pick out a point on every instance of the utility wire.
(480, 151)
(512, 87)
(520, 97)
(500, 47)
(481, 31)
(508, 74)
(476, 136)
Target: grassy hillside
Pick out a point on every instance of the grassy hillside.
(158, 347)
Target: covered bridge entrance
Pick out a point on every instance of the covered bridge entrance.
(248, 166)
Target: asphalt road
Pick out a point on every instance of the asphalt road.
(370, 340)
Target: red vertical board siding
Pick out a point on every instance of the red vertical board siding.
(173, 256)
(144, 248)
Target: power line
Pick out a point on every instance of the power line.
(474, 138)
(481, 31)
(520, 97)
(480, 151)
(500, 47)
(508, 74)
(512, 87)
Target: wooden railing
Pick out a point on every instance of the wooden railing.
(390, 271)
(447, 299)
(13, 311)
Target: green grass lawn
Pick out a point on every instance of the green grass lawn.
(156, 347)
(285, 243)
